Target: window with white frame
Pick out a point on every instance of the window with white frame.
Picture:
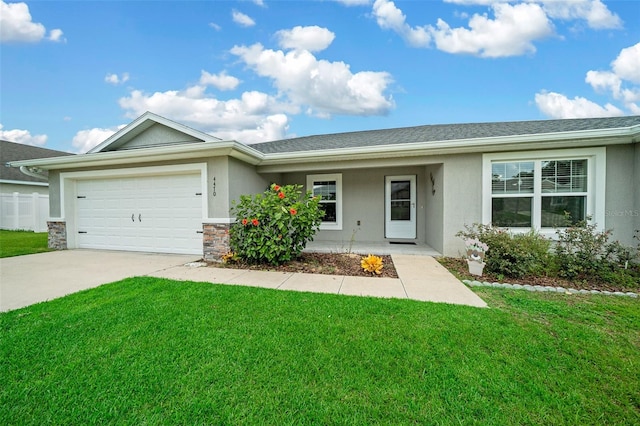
(544, 190)
(329, 188)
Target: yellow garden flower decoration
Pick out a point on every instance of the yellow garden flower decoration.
(372, 264)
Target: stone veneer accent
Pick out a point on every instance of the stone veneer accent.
(57, 235)
(215, 241)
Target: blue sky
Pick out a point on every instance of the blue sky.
(74, 72)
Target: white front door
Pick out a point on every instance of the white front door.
(400, 207)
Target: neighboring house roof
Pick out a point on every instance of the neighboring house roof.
(442, 132)
(11, 151)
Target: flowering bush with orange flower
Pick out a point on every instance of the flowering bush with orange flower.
(275, 226)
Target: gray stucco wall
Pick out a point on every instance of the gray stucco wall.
(434, 206)
(244, 180)
(621, 200)
(462, 179)
(54, 194)
(218, 168)
(363, 200)
(158, 134)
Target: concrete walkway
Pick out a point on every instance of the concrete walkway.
(419, 278)
(25, 280)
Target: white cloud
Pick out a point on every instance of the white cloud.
(313, 38)
(627, 64)
(242, 19)
(320, 86)
(325, 87)
(556, 105)
(388, 16)
(116, 79)
(302, 81)
(511, 33)
(254, 115)
(270, 128)
(215, 26)
(604, 81)
(617, 83)
(56, 35)
(16, 25)
(594, 12)
(220, 81)
(22, 136)
(84, 140)
(259, 3)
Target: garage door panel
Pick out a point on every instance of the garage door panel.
(166, 211)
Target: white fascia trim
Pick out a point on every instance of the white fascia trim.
(164, 153)
(597, 178)
(22, 182)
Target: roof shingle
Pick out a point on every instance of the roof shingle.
(441, 132)
(11, 151)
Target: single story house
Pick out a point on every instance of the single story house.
(159, 186)
(24, 202)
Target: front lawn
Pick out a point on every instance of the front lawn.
(17, 243)
(155, 351)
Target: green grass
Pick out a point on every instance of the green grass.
(154, 351)
(17, 243)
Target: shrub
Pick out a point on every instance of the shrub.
(372, 264)
(511, 255)
(275, 226)
(584, 252)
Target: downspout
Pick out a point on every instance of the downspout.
(33, 173)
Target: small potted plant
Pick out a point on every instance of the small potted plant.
(476, 250)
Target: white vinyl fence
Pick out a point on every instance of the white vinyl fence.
(24, 211)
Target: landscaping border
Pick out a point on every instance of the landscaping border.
(541, 288)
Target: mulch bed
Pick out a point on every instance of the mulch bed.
(349, 264)
(322, 263)
(460, 269)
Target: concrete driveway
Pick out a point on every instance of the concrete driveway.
(25, 280)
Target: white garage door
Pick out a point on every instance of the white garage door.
(152, 213)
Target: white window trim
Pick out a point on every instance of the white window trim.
(596, 183)
(337, 177)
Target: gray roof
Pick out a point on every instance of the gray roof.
(11, 151)
(441, 132)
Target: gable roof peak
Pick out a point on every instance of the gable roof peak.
(144, 122)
